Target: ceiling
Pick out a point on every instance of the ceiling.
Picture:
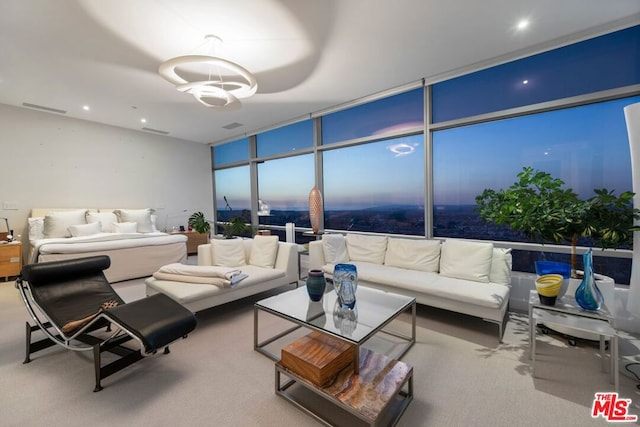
(306, 55)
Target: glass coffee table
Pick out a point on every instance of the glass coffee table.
(376, 388)
(374, 310)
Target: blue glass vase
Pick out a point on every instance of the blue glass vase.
(316, 284)
(345, 281)
(588, 296)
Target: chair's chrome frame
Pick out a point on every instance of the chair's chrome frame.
(82, 340)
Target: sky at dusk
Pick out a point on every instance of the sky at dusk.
(587, 147)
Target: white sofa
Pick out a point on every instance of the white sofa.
(458, 275)
(268, 263)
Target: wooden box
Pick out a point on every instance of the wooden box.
(317, 357)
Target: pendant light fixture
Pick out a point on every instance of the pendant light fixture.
(220, 85)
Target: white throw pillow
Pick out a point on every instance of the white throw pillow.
(36, 228)
(125, 227)
(106, 220)
(140, 216)
(56, 224)
(413, 254)
(501, 265)
(154, 221)
(228, 252)
(463, 259)
(366, 248)
(264, 250)
(84, 229)
(334, 247)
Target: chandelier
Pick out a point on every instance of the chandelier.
(220, 85)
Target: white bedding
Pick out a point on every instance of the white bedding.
(100, 242)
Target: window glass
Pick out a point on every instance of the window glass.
(377, 187)
(231, 152)
(572, 70)
(285, 139)
(284, 185)
(385, 116)
(233, 193)
(586, 147)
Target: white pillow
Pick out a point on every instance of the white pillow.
(124, 227)
(56, 224)
(228, 252)
(334, 247)
(463, 259)
(413, 254)
(106, 220)
(140, 216)
(501, 265)
(362, 247)
(154, 221)
(263, 251)
(84, 229)
(36, 228)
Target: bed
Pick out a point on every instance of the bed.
(128, 236)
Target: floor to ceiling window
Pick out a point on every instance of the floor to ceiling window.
(381, 164)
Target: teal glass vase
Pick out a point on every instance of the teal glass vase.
(588, 296)
(316, 285)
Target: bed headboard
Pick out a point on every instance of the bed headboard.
(41, 212)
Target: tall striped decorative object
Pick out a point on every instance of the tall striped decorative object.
(315, 209)
(632, 116)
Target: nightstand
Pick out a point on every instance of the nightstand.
(194, 240)
(10, 259)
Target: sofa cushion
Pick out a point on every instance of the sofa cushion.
(228, 252)
(362, 247)
(413, 254)
(501, 264)
(186, 293)
(334, 247)
(462, 259)
(56, 224)
(263, 251)
(490, 295)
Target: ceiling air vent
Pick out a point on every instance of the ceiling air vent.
(43, 108)
(163, 132)
(232, 125)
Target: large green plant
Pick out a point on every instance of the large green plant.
(198, 222)
(539, 206)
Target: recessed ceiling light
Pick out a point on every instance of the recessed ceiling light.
(143, 120)
(86, 108)
(522, 24)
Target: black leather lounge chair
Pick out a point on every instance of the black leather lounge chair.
(74, 305)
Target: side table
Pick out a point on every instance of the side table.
(10, 259)
(567, 313)
(194, 240)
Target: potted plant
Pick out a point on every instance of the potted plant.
(539, 207)
(235, 227)
(198, 222)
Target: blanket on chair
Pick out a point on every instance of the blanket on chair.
(204, 274)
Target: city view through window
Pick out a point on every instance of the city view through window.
(377, 184)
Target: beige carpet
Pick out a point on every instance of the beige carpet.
(214, 378)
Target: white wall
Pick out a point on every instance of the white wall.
(49, 160)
